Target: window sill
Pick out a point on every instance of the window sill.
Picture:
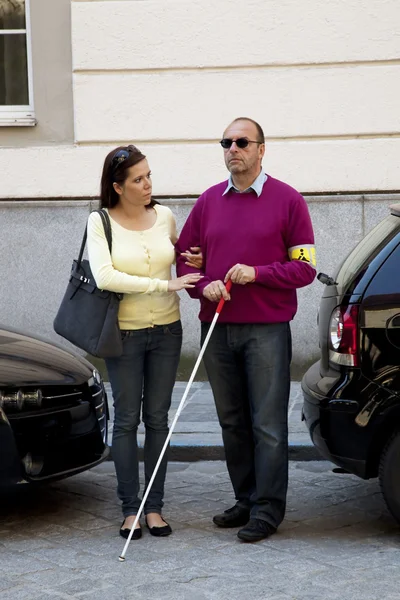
(17, 121)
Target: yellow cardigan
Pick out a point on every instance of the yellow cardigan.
(139, 267)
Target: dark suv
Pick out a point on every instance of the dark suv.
(352, 394)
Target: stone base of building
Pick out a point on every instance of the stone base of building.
(39, 240)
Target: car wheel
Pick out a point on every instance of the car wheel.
(389, 475)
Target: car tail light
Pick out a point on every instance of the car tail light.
(343, 336)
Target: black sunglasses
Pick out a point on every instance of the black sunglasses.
(122, 155)
(240, 142)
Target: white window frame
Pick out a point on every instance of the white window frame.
(21, 115)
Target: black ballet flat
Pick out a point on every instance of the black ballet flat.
(159, 531)
(137, 534)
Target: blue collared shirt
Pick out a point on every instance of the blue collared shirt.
(256, 186)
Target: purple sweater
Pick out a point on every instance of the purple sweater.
(242, 228)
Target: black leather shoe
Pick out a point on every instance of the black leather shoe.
(256, 530)
(232, 517)
(160, 531)
(137, 534)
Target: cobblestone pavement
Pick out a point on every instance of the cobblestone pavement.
(61, 542)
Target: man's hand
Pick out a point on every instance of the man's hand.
(241, 274)
(216, 290)
(194, 258)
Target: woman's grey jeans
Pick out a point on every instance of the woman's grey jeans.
(143, 378)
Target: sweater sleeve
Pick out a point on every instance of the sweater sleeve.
(295, 272)
(191, 236)
(104, 273)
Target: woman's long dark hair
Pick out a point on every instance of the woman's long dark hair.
(117, 172)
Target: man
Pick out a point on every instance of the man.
(256, 231)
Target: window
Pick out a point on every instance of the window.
(16, 103)
(360, 258)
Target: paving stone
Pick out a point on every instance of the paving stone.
(19, 564)
(64, 556)
(24, 592)
(117, 576)
(83, 586)
(7, 582)
(53, 576)
(338, 541)
(18, 542)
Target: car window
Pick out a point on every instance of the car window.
(355, 265)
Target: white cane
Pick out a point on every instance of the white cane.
(178, 412)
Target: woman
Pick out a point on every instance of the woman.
(143, 237)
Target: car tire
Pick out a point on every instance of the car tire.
(389, 475)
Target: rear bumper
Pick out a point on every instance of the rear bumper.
(330, 414)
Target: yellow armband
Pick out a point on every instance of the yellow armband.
(305, 253)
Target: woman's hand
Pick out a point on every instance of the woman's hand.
(186, 281)
(194, 258)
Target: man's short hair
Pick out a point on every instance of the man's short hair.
(260, 133)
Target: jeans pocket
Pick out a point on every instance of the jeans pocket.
(124, 334)
(174, 329)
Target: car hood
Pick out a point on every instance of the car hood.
(26, 360)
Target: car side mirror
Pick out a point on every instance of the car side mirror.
(325, 279)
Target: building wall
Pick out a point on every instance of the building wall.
(52, 89)
(39, 240)
(321, 77)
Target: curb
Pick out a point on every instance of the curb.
(193, 453)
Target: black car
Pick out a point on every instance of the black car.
(352, 394)
(53, 411)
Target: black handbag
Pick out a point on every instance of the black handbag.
(88, 317)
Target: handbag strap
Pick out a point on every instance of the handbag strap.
(107, 230)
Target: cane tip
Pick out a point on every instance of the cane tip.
(121, 559)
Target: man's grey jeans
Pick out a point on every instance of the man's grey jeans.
(248, 366)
